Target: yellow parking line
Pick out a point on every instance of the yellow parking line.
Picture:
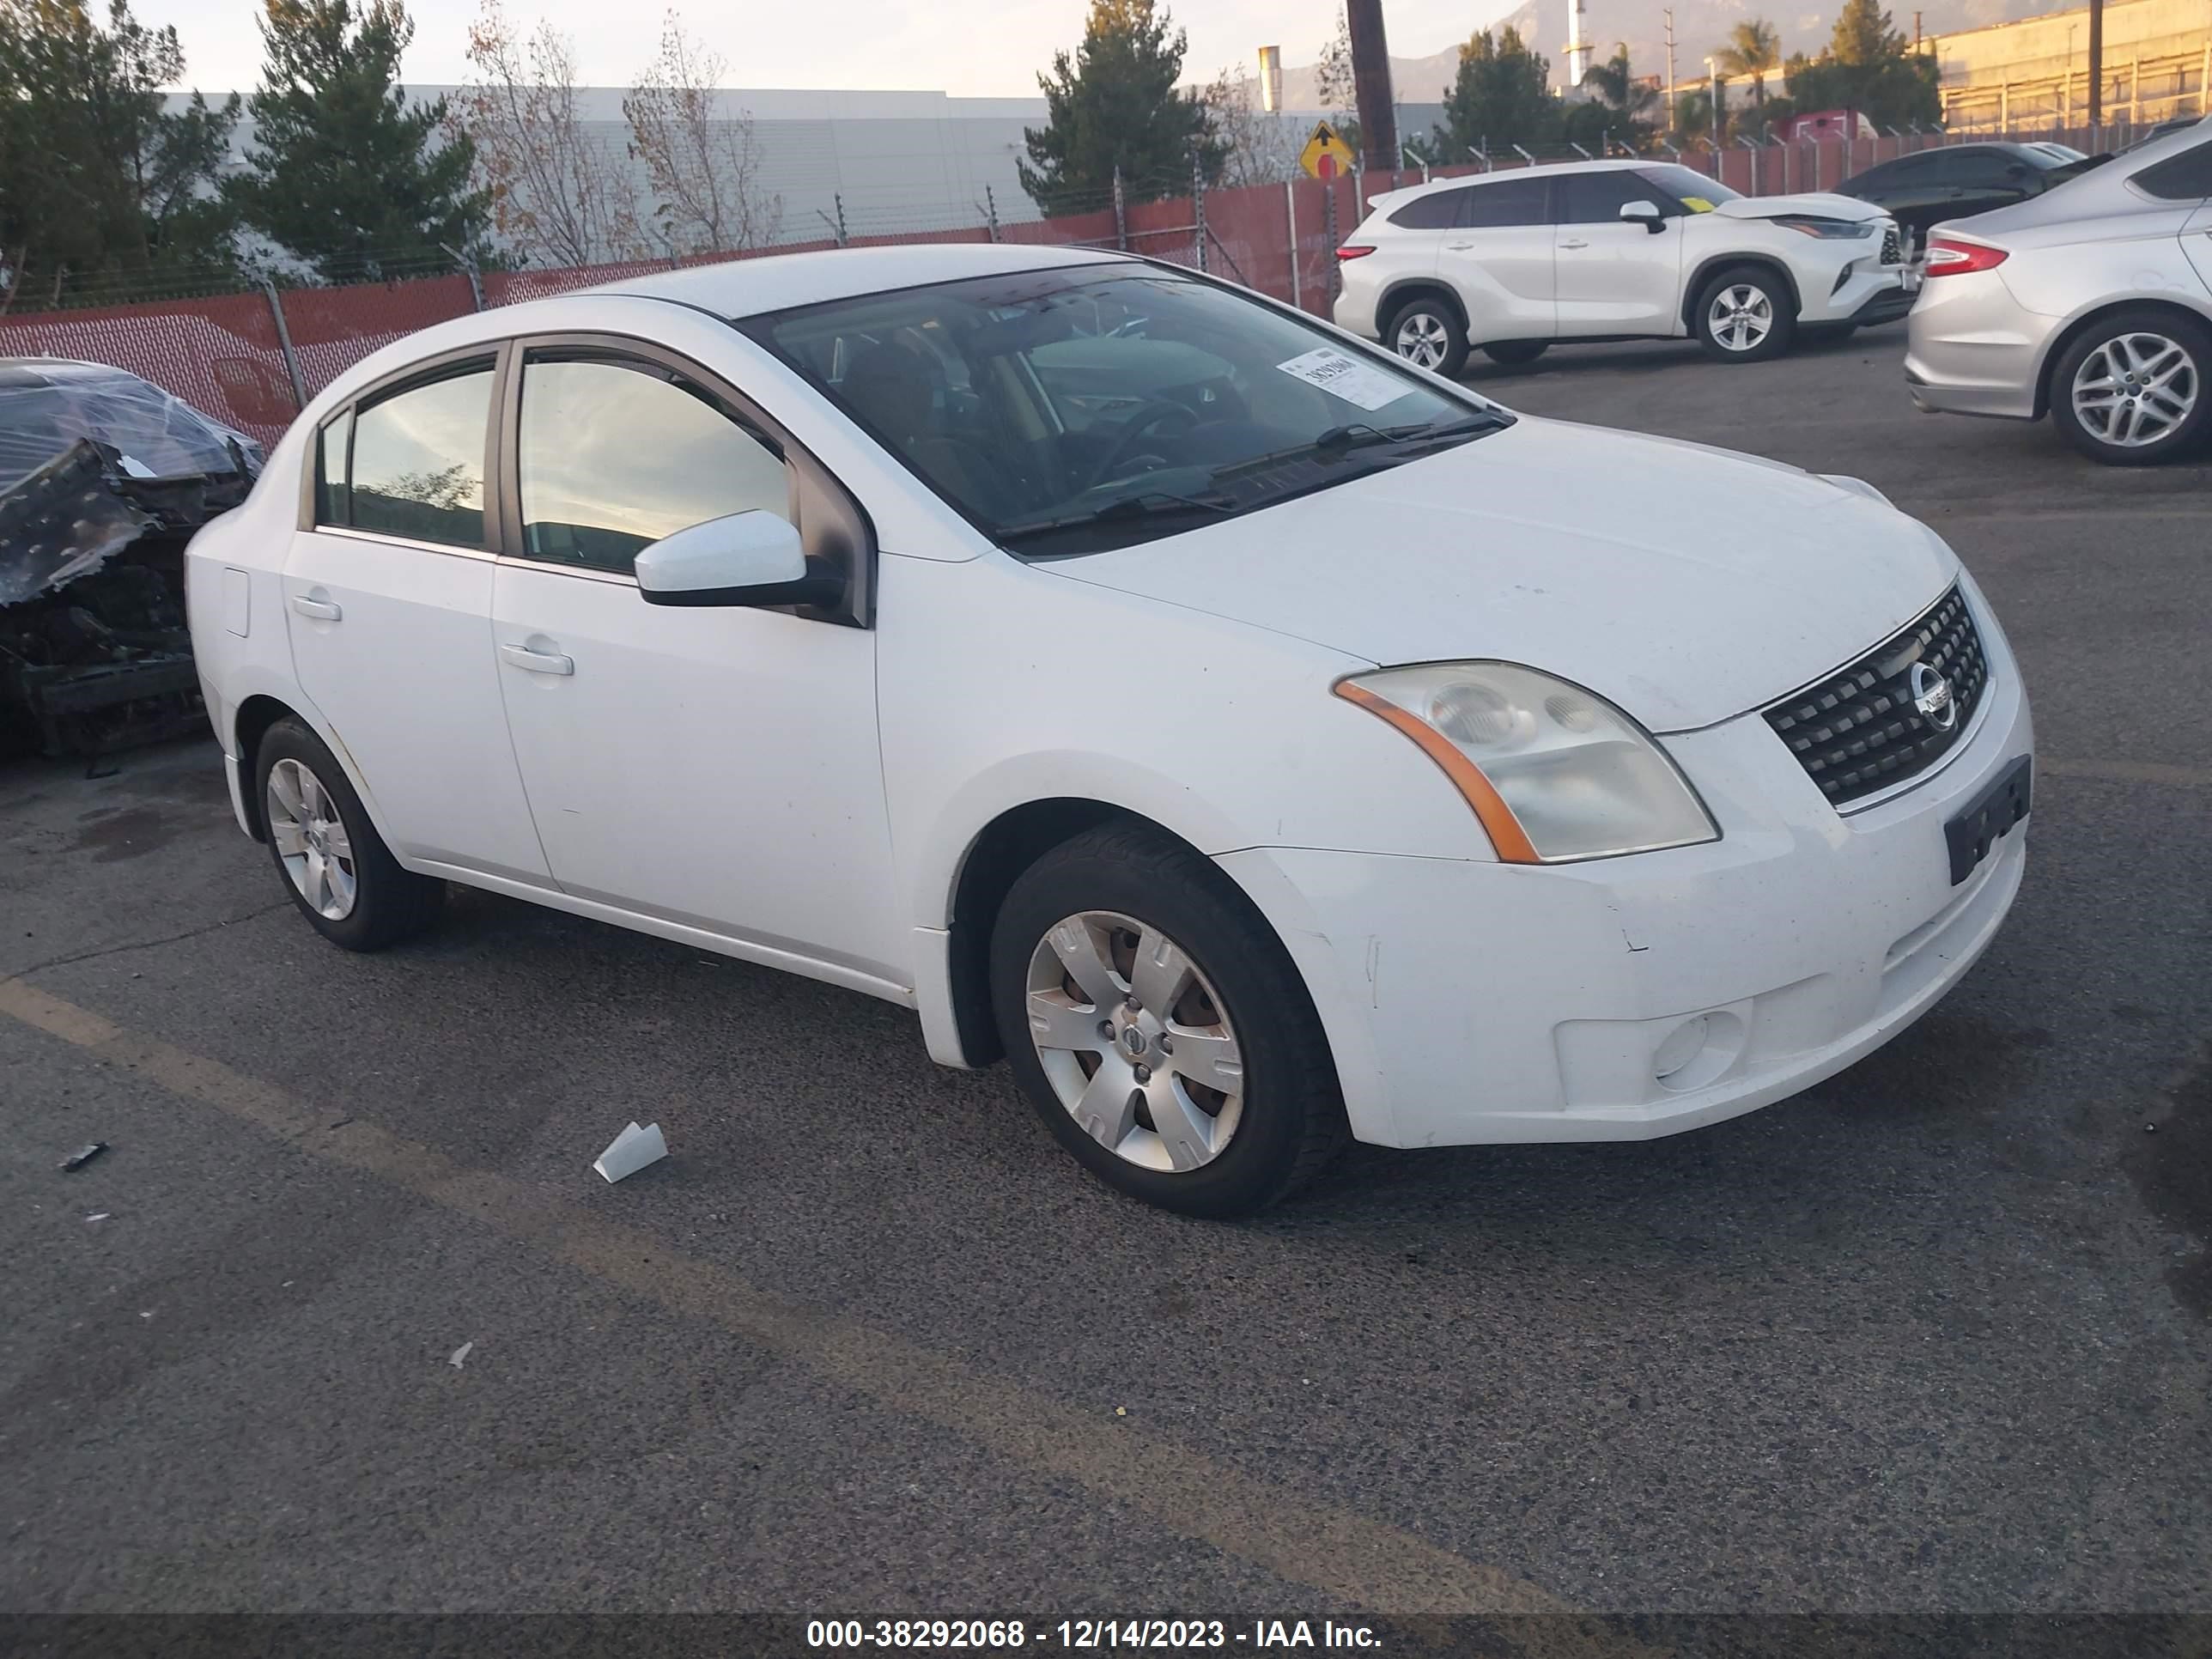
(1370, 1562)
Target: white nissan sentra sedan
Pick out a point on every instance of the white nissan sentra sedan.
(1257, 740)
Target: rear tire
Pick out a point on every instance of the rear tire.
(1512, 354)
(2138, 369)
(1427, 333)
(1191, 1070)
(1744, 314)
(331, 861)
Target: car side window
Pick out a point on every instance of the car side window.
(1437, 211)
(418, 460)
(1979, 169)
(2183, 177)
(1590, 198)
(1506, 203)
(616, 453)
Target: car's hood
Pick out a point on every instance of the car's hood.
(1685, 584)
(1815, 204)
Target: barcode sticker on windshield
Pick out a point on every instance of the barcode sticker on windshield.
(1342, 375)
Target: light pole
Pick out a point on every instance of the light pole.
(1713, 93)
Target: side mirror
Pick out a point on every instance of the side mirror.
(1645, 213)
(752, 558)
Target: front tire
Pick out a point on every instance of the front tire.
(333, 863)
(1426, 332)
(1744, 315)
(1160, 1029)
(2131, 392)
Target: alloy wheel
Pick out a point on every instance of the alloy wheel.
(1423, 340)
(312, 840)
(1741, 316)
(2135, 389)
(1134, 1042)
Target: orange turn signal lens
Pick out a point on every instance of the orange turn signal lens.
(1509, 840)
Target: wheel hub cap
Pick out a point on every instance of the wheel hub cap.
(311, 840)
(2135, 390)
(1134, 1042)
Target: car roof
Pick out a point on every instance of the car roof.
(746, 288)
(1546, 170)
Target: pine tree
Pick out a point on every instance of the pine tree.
(97, 179)
(1863, 36)
(1501, 95)
(1115, 104)
(347, 173)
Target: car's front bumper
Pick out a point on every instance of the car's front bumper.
(1500, 1003)
(1971, 348)
(1847, 281)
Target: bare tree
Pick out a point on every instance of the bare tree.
(560, 195)
(704, 164)
(1259, 148)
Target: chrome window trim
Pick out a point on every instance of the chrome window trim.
(589, 572)
(453, 549)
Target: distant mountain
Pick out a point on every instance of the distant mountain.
(1700, 26)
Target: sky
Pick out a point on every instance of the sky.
(986, 48)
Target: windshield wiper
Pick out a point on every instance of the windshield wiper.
(1145, 504)
(1357, 435)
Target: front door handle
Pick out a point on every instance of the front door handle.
(1576, 242)
(320, 609)
(537, 662)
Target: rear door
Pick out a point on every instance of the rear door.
(388, 602)
(2183, 179)
(1981, 178)
(1615, 276)
(1499, 258)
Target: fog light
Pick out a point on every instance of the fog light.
(1698, 1053)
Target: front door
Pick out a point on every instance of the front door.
(1615, 276)
(388, 604)
(717, 766)
(1498, 259)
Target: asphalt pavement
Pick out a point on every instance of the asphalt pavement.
(1934, 1337)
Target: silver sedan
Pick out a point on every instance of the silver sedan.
(2092, 302)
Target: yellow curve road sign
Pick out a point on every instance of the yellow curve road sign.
(1326, 155)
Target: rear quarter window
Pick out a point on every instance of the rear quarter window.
(1439, 211)
(2183, 177)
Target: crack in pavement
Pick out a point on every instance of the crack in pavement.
(150, 944)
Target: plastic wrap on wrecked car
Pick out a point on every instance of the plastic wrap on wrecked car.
(62, 521)
(48, 403)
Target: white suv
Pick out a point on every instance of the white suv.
(1515, 262)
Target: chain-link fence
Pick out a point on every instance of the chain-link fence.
(251, 354)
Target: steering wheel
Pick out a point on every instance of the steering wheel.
(1138, 426)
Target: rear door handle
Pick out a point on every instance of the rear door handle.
(320, 609)
(1578, 242)
(537, 662)
(1458, 247)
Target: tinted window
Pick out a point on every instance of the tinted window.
(331, 469)
(1589, 198)
(614, 455)
(1514, 201)
(2183, 177)
(1439, 211)
(1905, 170)
(1982, 169)
(418, 460)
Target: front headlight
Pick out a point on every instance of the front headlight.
(1828, 230)
(1554, 772)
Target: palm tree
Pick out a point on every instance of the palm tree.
(1628, 99)
(1753, 49)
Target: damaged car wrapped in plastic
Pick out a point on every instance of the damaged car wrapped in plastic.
(104, 477)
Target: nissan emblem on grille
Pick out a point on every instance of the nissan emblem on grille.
(1890, 715)
(1931, 695)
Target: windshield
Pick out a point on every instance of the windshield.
(1073, 410)
(1691, 188)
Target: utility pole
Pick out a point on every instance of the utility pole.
(2096, 66)
(1370, 82)
(1669, 15)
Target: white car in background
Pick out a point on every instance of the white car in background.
(1257, 740)
(2092, 302)
(1515, 262)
